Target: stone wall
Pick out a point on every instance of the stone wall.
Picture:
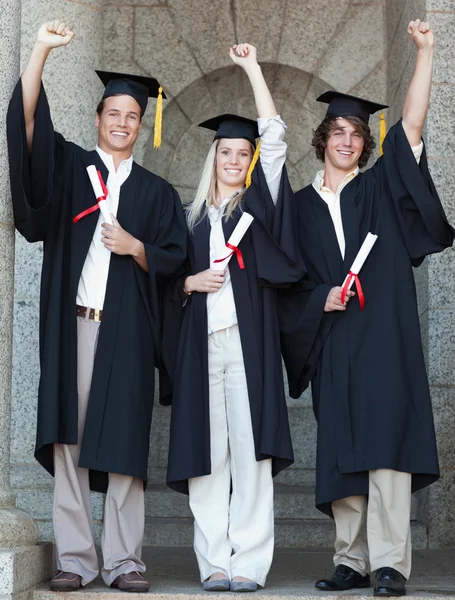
(362, 48)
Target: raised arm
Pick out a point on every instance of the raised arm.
(418, 97)
(244, 55)
(50, 35)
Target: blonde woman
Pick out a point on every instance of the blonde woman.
(229, 428)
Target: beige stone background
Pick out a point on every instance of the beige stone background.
(305, 47)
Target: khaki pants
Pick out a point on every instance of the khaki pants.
(376, 533)
(233, 535)
(124, 516)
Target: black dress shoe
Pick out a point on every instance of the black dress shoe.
(344, 578)
(389, 582)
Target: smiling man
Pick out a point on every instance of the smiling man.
(362, 351)
(107, 255)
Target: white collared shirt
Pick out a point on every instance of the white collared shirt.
(332, 199)
(92, 284)
(221, 312)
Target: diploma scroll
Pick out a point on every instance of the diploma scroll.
(233, 242)
(353, 275)
(100, 192)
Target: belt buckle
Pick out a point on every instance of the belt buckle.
(96, 317)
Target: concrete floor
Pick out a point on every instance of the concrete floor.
(173, 573)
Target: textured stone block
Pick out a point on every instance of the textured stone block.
(24, 568)
(421, 281)
(360, 31)
(208, 29)
(118, 39)
(443, 173)
(189, 157)
(443, 399)
(27, 267)
(441, 338)
(25, 380)
(303, 432)
(373, 85)
(439, 5)
(175, 67)
(442, 517)
(445, 52)
(440, 122)
(307, 34)
(442, 277)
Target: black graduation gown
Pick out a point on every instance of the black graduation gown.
(49, 188)
(370, 390)
(271, 257)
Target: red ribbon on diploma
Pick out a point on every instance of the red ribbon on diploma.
(352, 276)
(96, 206)
(238, 253)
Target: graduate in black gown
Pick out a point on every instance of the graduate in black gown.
(229, 422)
(376, 440)
(104, 266)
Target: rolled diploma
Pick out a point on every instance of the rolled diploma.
(236, 236)
(361, 257)
(98, 190)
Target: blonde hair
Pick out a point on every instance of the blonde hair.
(197, 210)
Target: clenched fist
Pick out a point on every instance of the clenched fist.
(421, 33)
(54, 34)
(333, 301)
(243, 55)
(206, 281)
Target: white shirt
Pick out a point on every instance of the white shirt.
(92, 284)
(332, 199)
(221, 312)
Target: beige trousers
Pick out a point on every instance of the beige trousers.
(376, 533)
(124, 513)
(234, 533)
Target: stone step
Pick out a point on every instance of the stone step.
(173, 574)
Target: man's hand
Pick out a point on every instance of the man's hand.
(421, 34)
(243, 55)
(119, 241)
(333, 301)
(54, 34)
(205, 281)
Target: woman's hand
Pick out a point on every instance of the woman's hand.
(333, 301)
(243, 55)
(206, 281)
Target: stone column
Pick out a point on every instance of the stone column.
(22, 563)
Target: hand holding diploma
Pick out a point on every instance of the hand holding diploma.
(353, 275)
(233, 242)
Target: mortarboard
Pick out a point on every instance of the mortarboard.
(140, 88)
(232, 127)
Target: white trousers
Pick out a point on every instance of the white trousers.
(232, 534)
(124, 513)
(376, 533)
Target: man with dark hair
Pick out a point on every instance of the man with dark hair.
(112, 240)
(362, 350)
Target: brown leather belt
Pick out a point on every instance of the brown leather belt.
(93, 313)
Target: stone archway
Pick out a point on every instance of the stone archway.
(185, 145)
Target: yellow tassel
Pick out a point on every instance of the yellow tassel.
(158, 119)
(382, 132)
(252, 165)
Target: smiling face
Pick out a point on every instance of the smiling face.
(344, 146)
(233, 158)
(119, 125)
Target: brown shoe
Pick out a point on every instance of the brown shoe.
(65, 582)
(131, 582)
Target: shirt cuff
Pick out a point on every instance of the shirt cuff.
(277, 123)
(417, 151)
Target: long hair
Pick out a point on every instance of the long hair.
(329, 124)
(197, 210)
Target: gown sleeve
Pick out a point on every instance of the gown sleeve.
(419, 211)
(274, 231)
(165, 256)
(32, 175)
(304, 327)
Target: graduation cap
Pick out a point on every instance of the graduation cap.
(345, 105)
(233, 127)
(138, 87)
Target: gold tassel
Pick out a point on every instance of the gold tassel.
(382, 132)
(252, 165)
(158, 119)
